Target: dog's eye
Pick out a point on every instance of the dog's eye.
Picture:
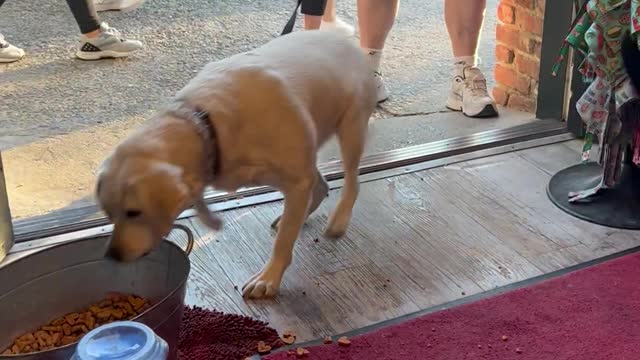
(133, 213)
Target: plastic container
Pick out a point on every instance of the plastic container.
(122, 340)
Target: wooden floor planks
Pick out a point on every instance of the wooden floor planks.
(416, 241)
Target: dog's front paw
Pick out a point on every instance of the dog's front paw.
(264, 284)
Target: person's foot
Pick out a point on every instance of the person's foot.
(381, 90)
(117, 5)
(469, 94)
(109, 44)
(8, 52)
(339, 26)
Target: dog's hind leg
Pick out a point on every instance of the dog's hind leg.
(351, 137)
(320, 191)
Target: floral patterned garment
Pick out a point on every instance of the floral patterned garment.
(597, 34)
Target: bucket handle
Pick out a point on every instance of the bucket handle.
(190, 238)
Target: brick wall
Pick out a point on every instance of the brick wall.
(518, 43)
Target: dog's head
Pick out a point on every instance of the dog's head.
(142, 198)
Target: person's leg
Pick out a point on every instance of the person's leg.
(85, 14)
(376, 18)
(464, 20)
(9, 53)
(330, 11)
(469, 92)
(330, 22)
(313, 11)
(98, 40)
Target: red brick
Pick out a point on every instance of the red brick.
(529, 22)
(504, 54)
(534, 88)
(511, 79)
(515, 39)
(540, 6)
(528, 66)
(527, 4)
(535, 47)
(506, 13)
(500, 95)
(508, 35)
(520, 102)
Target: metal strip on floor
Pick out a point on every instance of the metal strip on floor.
(104, 230)
(68, 221)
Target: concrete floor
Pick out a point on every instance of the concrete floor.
(60, 116)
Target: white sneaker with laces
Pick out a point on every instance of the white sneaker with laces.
(8, 52)
(381, 90)
(117, 5)
(110, 44)
(338, 26)
(469, 94)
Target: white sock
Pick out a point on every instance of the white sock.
(461, 62)
(373, 56)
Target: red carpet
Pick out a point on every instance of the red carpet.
(591, 314)
(212, 335)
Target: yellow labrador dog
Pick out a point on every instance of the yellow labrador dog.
(257, 118)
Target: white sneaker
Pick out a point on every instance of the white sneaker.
(8, 52)
(381, 90)
(339, 26)
(469, 94)
(110, 44)
(117, 5)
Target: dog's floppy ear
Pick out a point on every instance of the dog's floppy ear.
(205, 215)
(100, 173)
(174, 191)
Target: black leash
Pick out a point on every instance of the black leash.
(292, 20)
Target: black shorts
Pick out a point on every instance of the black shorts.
(313, 7)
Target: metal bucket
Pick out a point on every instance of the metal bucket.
(69, 277)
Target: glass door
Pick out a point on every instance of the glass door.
(64, 116)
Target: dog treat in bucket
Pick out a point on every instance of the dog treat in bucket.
(73, 326)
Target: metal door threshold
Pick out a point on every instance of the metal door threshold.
(388, 162)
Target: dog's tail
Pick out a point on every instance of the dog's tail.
(631, 58)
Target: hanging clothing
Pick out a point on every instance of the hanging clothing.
(597, 34)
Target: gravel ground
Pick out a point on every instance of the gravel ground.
(61, 116)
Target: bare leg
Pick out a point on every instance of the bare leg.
(376, 18)
(266, 283)
(469, 92)
(313, 11)
(464, 20)
(312, 22)
(330, 11)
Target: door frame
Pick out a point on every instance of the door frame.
(557, 95)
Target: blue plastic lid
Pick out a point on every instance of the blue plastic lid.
(120, 340)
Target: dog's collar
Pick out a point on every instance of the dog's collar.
(207, 131)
